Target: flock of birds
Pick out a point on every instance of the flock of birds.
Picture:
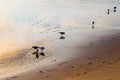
(39, 51)
(108, 12)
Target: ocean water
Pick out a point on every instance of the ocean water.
(23, 22)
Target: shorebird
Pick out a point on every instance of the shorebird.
(93, 24)
(115, 9)
(108, 11)
(37, 51)
(37, 56)
(42, 53)
(62, 33)
(42, 48)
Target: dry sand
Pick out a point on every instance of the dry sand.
(87, 55)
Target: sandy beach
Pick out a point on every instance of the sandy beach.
(90, 50)
(90, 59)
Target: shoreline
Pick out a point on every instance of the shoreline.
(57, 67)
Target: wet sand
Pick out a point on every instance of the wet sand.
(93, 55)
(85, 53)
